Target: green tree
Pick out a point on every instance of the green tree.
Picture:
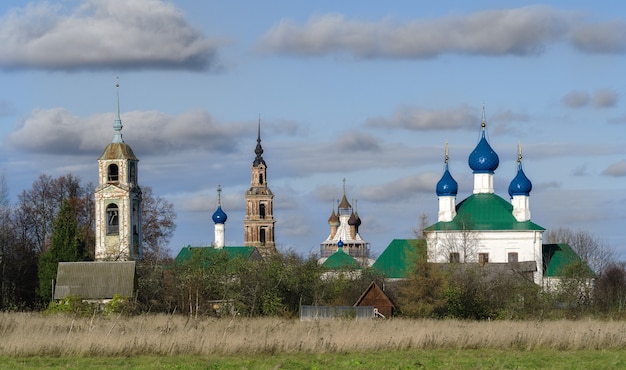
(423, 293)
(66, 246)
(610, 289)
(574, 290)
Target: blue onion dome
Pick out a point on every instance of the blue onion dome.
(340, 243)
(520, 185)
(219, 216)
(483, 159)
(447, 186)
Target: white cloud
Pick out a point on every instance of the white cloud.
(58, 131)
(520, 31)
(605, 37)
(617, 169)
(605, 98)
(401, 189)
(103, 34)
(411, 118)
(358, 141)
(576, 99)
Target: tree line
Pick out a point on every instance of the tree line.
(54, 221)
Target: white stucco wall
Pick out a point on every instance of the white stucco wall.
(498, 244)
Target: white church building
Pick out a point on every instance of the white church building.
(485, 228)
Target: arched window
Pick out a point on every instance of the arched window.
(112, 173)
(262, 210)
(113, 220)
(262, 235)
(261, 178)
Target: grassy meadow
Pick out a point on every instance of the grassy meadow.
(170, 341)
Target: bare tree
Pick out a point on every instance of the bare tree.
(589, 248)
(39, 206)
(18, 257)
(158, 224)
(462, 242)
(423, 223)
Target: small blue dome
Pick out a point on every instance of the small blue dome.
(340, 243)
(447, 186)
(219, 216)
(520, 185)
(483, 159)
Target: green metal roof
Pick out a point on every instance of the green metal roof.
(484, 212)
(340, 260)
(556, 257)
(231, 252)
(95, 280)
(399, 257)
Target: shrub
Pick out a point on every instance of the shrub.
(71, 305)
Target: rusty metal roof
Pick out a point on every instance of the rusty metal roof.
(118, 151)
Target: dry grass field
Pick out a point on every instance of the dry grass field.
(23, 334)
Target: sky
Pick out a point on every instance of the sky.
(368, 92)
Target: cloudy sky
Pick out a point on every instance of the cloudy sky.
(343, 90)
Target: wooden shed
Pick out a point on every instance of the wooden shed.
(374, 296)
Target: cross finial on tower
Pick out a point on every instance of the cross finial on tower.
(519, 153)
(259, 149)
(483, 122)
(344, 186)
(117, 124)
(219, 195)
(447, 157)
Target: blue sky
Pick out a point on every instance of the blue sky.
(369, 93)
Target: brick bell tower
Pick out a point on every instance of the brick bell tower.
(259, 221)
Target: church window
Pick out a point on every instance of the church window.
(512, 257)
(133, 173)
(113, 221)
(261, 178)
(262, 236)
(483, 258)
(455, 257)
(262, 210)
(112, 172)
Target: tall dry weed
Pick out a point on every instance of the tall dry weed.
(23, 334)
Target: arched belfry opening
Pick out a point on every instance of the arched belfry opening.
(112, 173)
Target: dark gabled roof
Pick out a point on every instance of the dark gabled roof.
(95, 280)
(340, 260)
(399, 257)
(556, 257)
(230, 252)
(485, 212)
(374, 290)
